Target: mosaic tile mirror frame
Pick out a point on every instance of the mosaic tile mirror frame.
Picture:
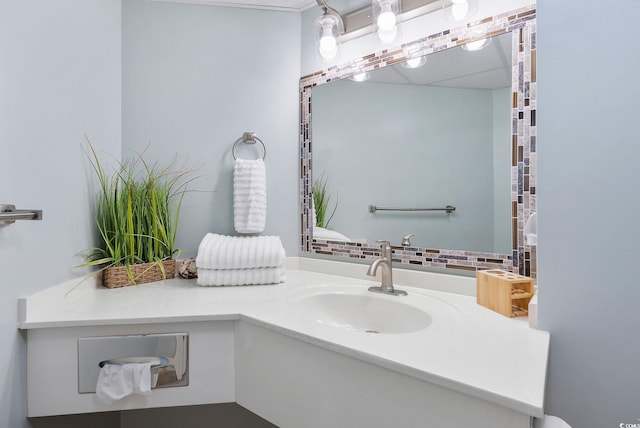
(522, 25)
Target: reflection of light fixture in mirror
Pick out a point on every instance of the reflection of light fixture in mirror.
(360, 77)
(385, 19)
(476, 45)
(458, 10)
(414, 62)
(329, 27)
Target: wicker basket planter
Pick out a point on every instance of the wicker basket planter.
(117, 276)
(136, 211)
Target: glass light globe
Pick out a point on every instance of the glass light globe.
(360, 77)
(476, 45)
(459, 9)
(387, 19)
(415, 62)
(389, 35)
(328, 45)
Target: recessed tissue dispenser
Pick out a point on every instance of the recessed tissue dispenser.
(167, 352)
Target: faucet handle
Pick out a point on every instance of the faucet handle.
(406, 241)
(385, 248)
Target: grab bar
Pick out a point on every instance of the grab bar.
(448, 209)
(9, 214)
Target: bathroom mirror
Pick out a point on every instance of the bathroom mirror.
(401, 123)
(463, 142)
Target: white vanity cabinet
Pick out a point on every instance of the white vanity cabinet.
(293, 383)
(258, 347)
(52, 368)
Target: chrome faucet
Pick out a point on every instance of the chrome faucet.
(384, 262)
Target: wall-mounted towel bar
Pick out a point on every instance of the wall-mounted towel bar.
(158, 366)
(248, 138)
(9, 214)
(448, 209)
(155, 361)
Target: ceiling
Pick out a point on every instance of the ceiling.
(286, 5)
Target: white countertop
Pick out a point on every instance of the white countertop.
(467, 348)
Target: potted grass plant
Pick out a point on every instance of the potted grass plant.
(136, 212)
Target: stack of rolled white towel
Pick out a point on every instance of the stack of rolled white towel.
(240, 260)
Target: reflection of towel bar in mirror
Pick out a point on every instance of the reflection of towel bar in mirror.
(449, 209)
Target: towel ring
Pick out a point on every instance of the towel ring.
(248, 138)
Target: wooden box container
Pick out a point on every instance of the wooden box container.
(504, 292)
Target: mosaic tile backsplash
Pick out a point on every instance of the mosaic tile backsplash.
(522, 24)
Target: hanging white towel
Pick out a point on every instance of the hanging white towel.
(531, 230)
(117, 381)
(255, 276)
(239, 252)
(249, 196)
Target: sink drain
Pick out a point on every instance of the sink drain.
(371, 331)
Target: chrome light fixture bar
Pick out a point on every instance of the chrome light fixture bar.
(359, 22)
(332, 28)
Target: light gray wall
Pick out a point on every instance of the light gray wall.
(403, 146)
(59, 78)
(588, 208)
(194, 79)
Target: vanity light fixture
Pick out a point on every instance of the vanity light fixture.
(329, 28)
(385, 19)
(459, 10)
(381, 17)
(477, 45)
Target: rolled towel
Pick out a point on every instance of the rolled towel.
(329, 235)
(239, 252)
(116, 381)
(249, 196)
(255, 276)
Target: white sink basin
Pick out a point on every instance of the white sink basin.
(371, 313)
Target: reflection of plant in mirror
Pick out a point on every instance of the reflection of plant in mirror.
(321, 200)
